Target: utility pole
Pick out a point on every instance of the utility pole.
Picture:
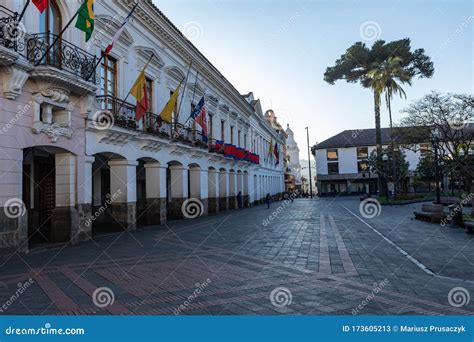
(309, 165)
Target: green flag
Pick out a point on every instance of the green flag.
(85, 18)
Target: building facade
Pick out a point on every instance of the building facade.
(342, 161)
(293, 168)
(75, 161)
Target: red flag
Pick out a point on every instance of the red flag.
(40, 4)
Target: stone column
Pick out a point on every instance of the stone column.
(198, 189)
(84, 209)
(245, 190)
(232, 190)
(123, 193)
(64, 217)
(179, 190)
(155, 203)
(213, 191)
(223, 191)
(13, 213)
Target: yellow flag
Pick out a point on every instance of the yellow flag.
(167, 112)
(139, 92)
(270, 147)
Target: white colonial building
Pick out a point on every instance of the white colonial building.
(341, 161)
(68, 171)
(293, 166)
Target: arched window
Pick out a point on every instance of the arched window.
(50, 19)
(50, 25)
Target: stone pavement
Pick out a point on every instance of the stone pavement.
(310, 257)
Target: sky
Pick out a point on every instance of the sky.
(281, 49)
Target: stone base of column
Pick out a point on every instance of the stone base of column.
(84, 228)
(205, 206)
(232, 202)
(64, 221)
(213, 205)
(13, 233)
(125, 214)
(223, 204)
(174, 209)
(155, 211)
(246, 201)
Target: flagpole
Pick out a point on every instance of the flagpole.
(58, 37)
(130, 91)
(95, 67)
(182, 96)
(194, 93)
(103, 54)
(24, 10)
(184, 91)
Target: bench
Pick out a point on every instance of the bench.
(449, 200)
(430, 212)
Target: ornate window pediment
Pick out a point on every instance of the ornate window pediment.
(155, 65)
(106, 26)
(174, 75)
(196, 90)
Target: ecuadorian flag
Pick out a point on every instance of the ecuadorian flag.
(85, 18)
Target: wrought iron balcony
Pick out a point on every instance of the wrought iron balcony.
(122, 112)
(153, 124)
(63, 55)
(11, 34)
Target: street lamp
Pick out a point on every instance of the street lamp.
(385, 160)
(309, 164)
(435, 135)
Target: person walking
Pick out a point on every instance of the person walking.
(268, 199)
(239, 200)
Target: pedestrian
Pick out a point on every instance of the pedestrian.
(239, 200)
(268, 200)
(292, 197)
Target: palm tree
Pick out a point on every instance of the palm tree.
(358, 60)
(387, 77)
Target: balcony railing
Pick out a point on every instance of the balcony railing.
(63, 55)
(122, 112)
(11, 34)
(183, 133)
(153, 124)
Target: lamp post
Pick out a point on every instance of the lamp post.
(434, 142)
(309, 164)
(385, 160)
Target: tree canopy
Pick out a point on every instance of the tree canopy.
(354, 64)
